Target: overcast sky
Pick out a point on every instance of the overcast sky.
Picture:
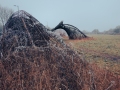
(84, 14)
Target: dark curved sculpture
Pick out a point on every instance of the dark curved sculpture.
(72, 31)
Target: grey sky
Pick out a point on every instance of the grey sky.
(84, 14)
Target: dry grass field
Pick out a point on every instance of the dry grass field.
(103, 50)
(80, 66)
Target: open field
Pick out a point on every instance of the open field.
(103, 50)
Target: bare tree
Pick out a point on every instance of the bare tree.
(95, 31)
(5, 13)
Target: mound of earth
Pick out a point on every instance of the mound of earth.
(33, 58)
(22, 29)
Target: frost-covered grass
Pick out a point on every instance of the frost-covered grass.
(104, 50)
(55, 67)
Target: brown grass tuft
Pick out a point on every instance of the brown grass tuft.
(52, 69)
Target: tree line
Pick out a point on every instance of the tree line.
(114, 31)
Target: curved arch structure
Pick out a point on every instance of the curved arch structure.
(72, 31)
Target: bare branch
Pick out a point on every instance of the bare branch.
(5, 13)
